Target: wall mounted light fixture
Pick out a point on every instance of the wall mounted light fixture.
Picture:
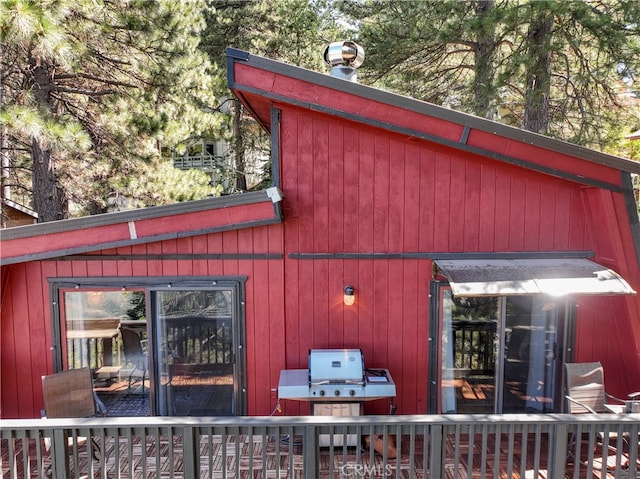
(349, 296)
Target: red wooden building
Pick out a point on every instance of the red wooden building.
(482, 257)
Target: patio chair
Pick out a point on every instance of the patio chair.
(136, 357)
(585, 394)
(585, 389)
(70, 394)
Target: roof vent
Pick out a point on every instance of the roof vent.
(344, 58)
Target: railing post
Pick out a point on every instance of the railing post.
(191, 451)
(60, 454)
(558, 440)
(310, 452)
(437, 455)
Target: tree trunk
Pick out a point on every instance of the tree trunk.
(241, 179)
(48, 198)
(5, 192)
(538, 86)
(483, 90)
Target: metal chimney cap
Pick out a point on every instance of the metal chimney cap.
(346, 53)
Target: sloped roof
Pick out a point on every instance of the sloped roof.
(19, 207)
(260, 82)
(126, 228)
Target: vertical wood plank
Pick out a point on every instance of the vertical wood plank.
(396, 205)
(427, 219)
(472, 205)
(487, 209)
(366, 236)
(381, 193)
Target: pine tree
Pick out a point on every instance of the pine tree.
(549, 66)
(92, 89)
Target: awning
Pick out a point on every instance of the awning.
(553, 276)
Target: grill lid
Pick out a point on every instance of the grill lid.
(336, 366)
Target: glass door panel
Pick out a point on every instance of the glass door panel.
(93, 328)
(499, 354)
(468, 353)
(195, 353)
(530, 354)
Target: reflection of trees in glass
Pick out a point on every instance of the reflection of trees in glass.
(475, 308)
(203, 303)
(138, 309)
(103, 304)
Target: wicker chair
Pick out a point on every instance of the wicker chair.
(69, 394)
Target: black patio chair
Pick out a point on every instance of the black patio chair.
(136, 357)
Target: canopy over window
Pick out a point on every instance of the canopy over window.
(553, 276)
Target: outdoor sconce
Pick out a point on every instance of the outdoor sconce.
(349, 297)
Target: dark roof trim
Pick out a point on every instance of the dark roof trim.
(428, 109)
(155, 257)
(134, 215)
(275, 147)
(632, 211)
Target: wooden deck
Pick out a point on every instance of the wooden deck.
(265, 456)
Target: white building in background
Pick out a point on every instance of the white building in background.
(216, 159)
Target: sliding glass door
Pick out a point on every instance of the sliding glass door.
(197, 345)
(155, 347)
(500, 354)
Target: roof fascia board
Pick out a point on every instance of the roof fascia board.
(58, 253)
(632, 212)
(460, 145)
(428, 109)
(233, 55)
(45, 241)
(133, 215)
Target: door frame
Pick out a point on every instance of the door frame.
(564, 349)
(238, 329)
(57, 286)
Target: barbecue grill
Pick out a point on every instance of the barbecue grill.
(336, 375)
(336, 383)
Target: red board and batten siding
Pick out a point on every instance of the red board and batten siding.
(362, 190)
(368, 187)
(26, 318)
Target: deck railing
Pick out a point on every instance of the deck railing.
(550, 446)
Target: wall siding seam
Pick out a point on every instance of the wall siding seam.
(444, 255)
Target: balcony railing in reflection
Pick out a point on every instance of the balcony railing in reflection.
(192, 340)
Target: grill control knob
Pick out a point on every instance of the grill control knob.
(352, 392)
(337, 393)
(322, 392)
